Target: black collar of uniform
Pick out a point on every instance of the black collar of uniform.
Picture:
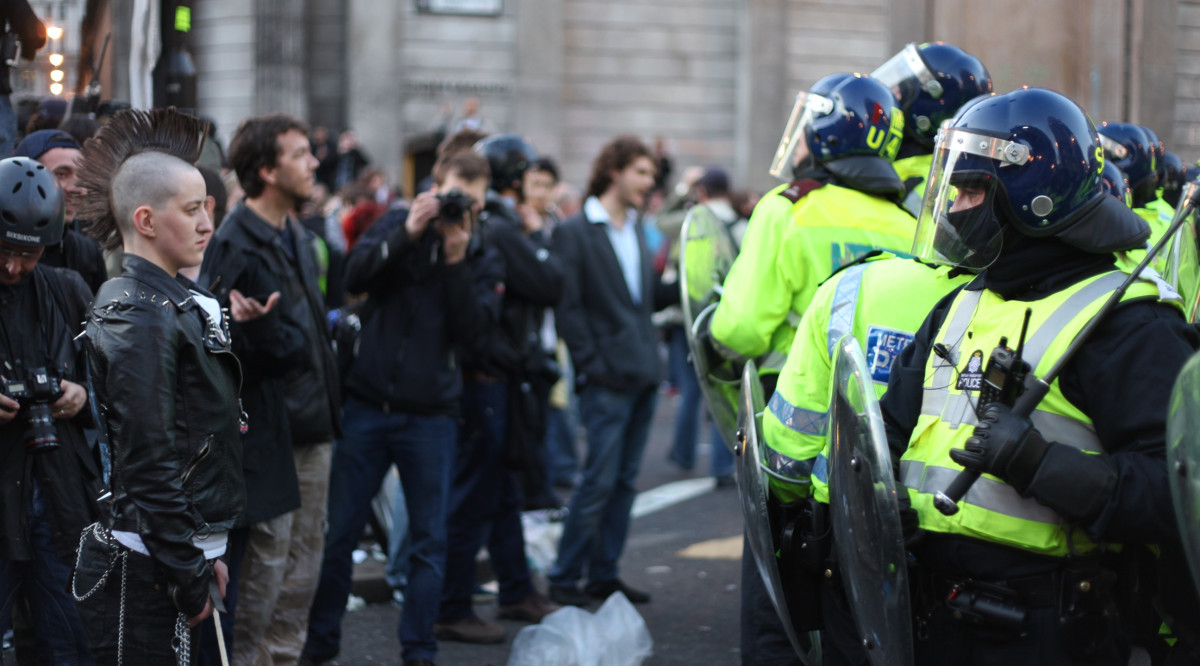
(1029, 269)
(865, 173)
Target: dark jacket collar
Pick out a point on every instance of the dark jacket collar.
(256, 227)
(176, 289)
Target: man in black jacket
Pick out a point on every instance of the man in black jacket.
(433, 296)
(167, 382)
(504, 399)
(47, 486)
(263, 259)
(610, 290)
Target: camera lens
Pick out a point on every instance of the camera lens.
(451, 211)
(40, 435)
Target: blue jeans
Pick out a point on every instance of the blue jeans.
(398, 545)
(485, 506)
(687, 413)
(422, 448)
(59, 635)
(618, 424)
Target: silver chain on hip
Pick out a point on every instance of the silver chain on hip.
(182, 643)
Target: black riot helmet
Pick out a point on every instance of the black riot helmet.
(31, 203)
(509, 156)
(931, 83)
(1173, 177)
(1029, 161)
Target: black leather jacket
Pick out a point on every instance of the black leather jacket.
(168, 384)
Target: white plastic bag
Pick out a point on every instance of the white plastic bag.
(616, 635)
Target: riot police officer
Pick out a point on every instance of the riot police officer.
(931, 82)
(842, 203)
(1023, 572)
(1135, 153)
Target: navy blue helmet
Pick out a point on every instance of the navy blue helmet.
(1130, 148)
(508, 155)
(932, 82)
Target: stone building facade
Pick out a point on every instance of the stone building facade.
(714, 78)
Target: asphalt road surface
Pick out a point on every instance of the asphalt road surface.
(684, 548)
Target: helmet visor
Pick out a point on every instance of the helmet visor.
(907, 76)
(958, 224)
(793, 147)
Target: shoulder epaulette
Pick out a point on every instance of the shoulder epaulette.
(800, 188)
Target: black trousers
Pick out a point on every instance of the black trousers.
(951, 641)
(764, 642)
(148, 636)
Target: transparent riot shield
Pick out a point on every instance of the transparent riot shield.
(864, 512)
(1183, 258)
(761, 519)
(1183, 460)
(706, 254)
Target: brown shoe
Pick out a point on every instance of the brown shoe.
(531, 609)
(470, 629)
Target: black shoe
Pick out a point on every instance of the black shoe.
(419, 662)
(604, 588)
(568, 595)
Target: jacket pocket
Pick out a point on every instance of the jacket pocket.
(200, 457)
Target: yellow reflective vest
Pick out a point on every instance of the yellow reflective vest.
(882, 302)
(907, 168)
(992, 510)
(793, 244)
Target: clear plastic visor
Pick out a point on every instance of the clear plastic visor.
(958, 225)
(793, 147)
(1113, 149)
(906, 75)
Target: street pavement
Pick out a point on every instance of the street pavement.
(686, 554)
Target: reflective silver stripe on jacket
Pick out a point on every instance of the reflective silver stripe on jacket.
(958, 408)
(986, 493)
(787, 469)
(798, 419)
(845, 304)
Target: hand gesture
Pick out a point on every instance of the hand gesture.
(244, 309)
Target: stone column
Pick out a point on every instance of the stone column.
(762, 97)
(537, 105)
(373, 90)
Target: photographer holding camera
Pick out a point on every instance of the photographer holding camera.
(48, 476)
(433, 294)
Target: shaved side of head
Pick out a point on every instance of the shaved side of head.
(145, 179)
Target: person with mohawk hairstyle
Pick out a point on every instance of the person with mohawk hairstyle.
(167, 382)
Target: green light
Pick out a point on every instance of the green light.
(183, 19)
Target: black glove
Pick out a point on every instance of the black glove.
(909, 521)
(1004, 445)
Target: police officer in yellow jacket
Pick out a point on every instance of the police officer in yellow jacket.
(1027, 570)
(881, 300)
(931, 82)
(840, 141)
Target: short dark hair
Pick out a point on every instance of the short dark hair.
(256, 145)
(545, 165)
(464, 139)
(468, 164)
(616, 155)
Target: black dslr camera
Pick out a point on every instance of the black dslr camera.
(454, 206)
(35, 395)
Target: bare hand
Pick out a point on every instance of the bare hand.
(8, 409)
(424, 210)
(203, 615)
(455, 238)
(71, 402)
(530, 220)
(244, 309)
(221, 571)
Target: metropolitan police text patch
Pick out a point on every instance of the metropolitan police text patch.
(883, 346)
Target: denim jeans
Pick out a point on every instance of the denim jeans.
(421, 448)
(59, 635)
(562, 429)
(485, 506)
(618, 424)
(687, 413)
(399, 548)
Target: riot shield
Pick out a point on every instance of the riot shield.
(1183, 459)
(1182, 258)
(864, 513)
(706, 253)
(761, 519)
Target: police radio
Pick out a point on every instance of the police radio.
(1004, 377)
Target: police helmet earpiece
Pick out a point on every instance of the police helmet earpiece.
(31, 203)
(509, 156)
